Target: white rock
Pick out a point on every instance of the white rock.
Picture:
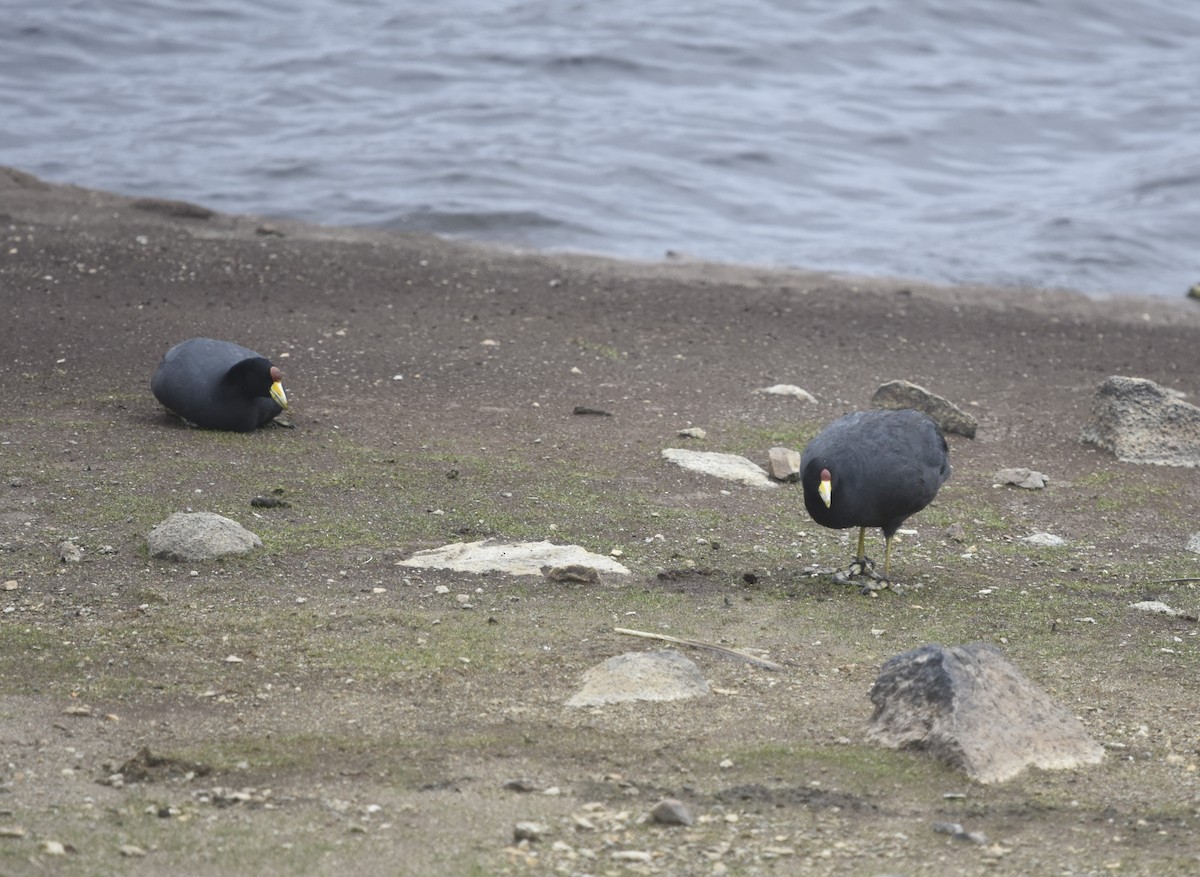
(640, 856)
(730, 467)
(1155, 606)
(1193, 543)
(790, 390)
(514, 558)
(1047, 539)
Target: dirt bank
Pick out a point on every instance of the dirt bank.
(372, 723)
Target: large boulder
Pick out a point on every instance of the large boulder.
(971, 708)
(196, 536)
(948, 416)
(1142, 422)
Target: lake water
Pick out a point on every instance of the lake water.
(1030, 142)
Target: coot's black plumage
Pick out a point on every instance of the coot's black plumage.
(219, 385)
(873, 469)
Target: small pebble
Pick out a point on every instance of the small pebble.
(529, 831)
(632, 856)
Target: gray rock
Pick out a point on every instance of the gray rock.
(572, 574)
(69, 552)
(529, 831)
(1142, 422)
(968, 706)
(1021, 477)
(514, 558)
(784, 464)
(671, 811)
(195, 536)
(695, 432)
(661, 675)
(730, 467)
(1193, 543)
(948, 416)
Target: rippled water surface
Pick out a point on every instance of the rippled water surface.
(1046, 142)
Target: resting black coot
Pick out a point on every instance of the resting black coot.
(219, 385)
(873, 469)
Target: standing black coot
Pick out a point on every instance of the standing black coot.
(219, 385)
(873, 469)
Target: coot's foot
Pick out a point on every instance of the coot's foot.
(864, 568)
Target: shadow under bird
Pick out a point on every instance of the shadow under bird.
(219, 385)
(873, 469)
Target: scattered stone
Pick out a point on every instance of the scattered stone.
(730, 467)
(948, 416)
(790, 390)
(11, 585)
(14, 831)
(671, 811)
(693, 432)
(514, 558)
(146, 767)
(528, 831)
(1193, 545)
(640, 856)
(956, 831)
(69, 552)
(661, 675)
(591, 412)
(1156, 607)
(131, 851)
(195, 536)
(956, 532)
(971, 708)
(269, 502)
(1142, 422)
(1048, 540)
(53, 848)
(1027, 478)
(520, 785)
(784, 464)
(571, 574)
